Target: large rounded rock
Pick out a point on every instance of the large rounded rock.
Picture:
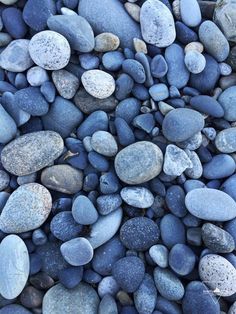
(225, 140)
(34, 202)
(83, 299)
(139, 162)
(181, 124)
(157, 24)
(62, 178)
(218, 274)
(31, 152)
(14, 266)
(227, 99)
(49, 50)
(210, 204)
(110, 16)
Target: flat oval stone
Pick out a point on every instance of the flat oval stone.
(208, 105)
(106, 42)
(210, 204)
(15, 57)
(225, 140)
(190, 12)
(110, 16)
(139, 197)
(179, 265)
(60, 300)
(62, 178)
(14, 308)
(49, 50)
(104, 143)
(181, 124)
(227, 99)
(8, 126)
(77, 252)
(218, 274)
(84, 211)
(75, 29)
(35, 203)
(139, 162)
(157, 24)
(14, 266)
(31, 152)
(98, 83)
(214, 40)
(221, 166)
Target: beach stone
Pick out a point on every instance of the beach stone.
(232, 309)
(210, 204)
(77, 251)
(194, 61)
(98, 83)
(138, 162)
(104, 143)
(159, 92)
(110, 16)
(229, 186)
(217, 239)
(8, 128)
(139, 197)
(139, 233)
(181, 124)
(108, 203)
(225, 140)
(157, 24)
(49, 50)
(15, 57)
(75, 29)
(195, 172)
(14, 308)
(62, 178)
(179, 265)
(31, 152)
(8, 2)
(221, 166)
(4, 180)
(159, 254)
(36, 76)
(129, 272)
(227, 101)
(35, 203)
(218, 274)
(84, 211)
(59, 300)
(207, 105)
(14, 266)
(96, 121)
(113, 60)
(190, 12)
(158, 66)
(13, 22)
(66, 83)
(176, 161)
(134, 10)
(214, 40)
(108, 305)
(108, 285)
(106, 42)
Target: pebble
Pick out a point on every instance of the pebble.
(106, 42)
(129, 168)
(98, 83)
(83, 211)
(176, 161)
(195, 45)
(36, 76)
(216, 239)
(219, 167)
(49, 50)
(168, 284)
(133, 10)
(140, 45)
(139, 197)
(207, 105)
(31, 152)
(181, 124)
(31, 297)
(139, 233)
(225, 140)
(75, 29)
(172, 230)
(59, 300)
(14, 266)
(104, 143)
(196, 171)
(157, 24)
(210, 204)
(194, 61)
(159, 92)
(15, 57)
(190, 12)
(4, 180)
(184, 34)
(77, 251)
(144, 122)
(110, 16)
(5, 39)
(8, 128)
(128, 109)
(227, 101)
(159, 254)
(13, 22)
(108, 285)
(129, 272)
(14, 308)
(135, 70)
(66, 83)
(89, 61)
(49, 91)
(113, 60)
(108, 203)
(218, 274)
(108, 305)
(179, 265)
(158, 66)
(214, 40)
(62, 178)
(9, 2)
(35, 203)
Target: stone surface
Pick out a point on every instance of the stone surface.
(225, 140)
(139, 197)
(106, 42)
(227, 101)
(66, 83)
(84, 211)
(190, 12)
(104, 143)
(8, 127)
(176, 161)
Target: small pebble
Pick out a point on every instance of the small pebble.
(106, 42)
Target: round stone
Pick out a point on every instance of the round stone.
(225, 141)
(62, 178)
(190, 12)
(108, 305)
(221, 166)
(31, 152)
(14, 266)
(98, 83)
(139, 233)
(159, 66)
(49, 50)
(84, 211)
(139, 162)
(129, 272)
(194, 61)
(66, 83)
(227, 99)
(106, 42)
(159, 254)
(14, 308)
(104, 143)
(218, 274)
(59, 300)
(35, 203)
(179, 265)
(210, 204)
(36, 76)
(77, 252)
(157, 24)
(139, 197)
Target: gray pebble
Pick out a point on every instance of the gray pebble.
(104, 143)
(139, 197)
(84, 211)
(159, 254)
(66, 83)
(108, 285)
(36, 76)
(225, 140)
(190, 12)
(194, 61)
(106, 42)
(8, 127)
(194, 172)
(4, 180)
(107, 305)
(228, 101)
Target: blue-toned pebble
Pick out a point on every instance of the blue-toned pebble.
(190, 91)
(124, 132)
(3, 199)
(190, 12)
(49, 91)
(225, 140)
(166, 306)
(104, 143)
(20, 81)
(71, 276)
(142, 58)
(219, 167)
(159, 66)
(139, 197)
(128, 53)
(159, 254)
(91, 276)
(227, 101)
(108, 305)
(79, 161)
(135, 70)
(184, 34)
(124, 86)
(13, 22)
(181, 266)
(108, 203)
(144, 122)
(8, 127)
(14, 308)
(96, 121)
(108, 285)
(98, 161)
(39, 237)
(158, 187)
(194, 61)
(113, 60)
(4, 180)
(83, 211)
(193, 184)
(35, 263)
(128, 109)
(7, 87)
(159, 92)
(174, 92)
(208, 105)
(176, 102)
(140, 92)
(172, 230)
(88, 61)
(36, 76)
(109, 183)
(177, 74)
(229, 186)
(175, 198)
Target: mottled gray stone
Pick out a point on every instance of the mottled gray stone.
(8, 127)
(4, 180)
(225, 140)
(66, 83)
(194, 172)
(159, 254)
(139, 197)
(104, 143)
(227, 99)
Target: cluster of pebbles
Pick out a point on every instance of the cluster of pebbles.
(118, 157)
